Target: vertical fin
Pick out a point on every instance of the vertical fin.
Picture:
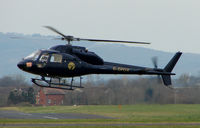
(169, 67)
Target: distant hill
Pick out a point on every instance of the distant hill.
(13, 49)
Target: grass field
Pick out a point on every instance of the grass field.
(122, 114)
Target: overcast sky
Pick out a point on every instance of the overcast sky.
(170, 25)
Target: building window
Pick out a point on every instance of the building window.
(49, 101)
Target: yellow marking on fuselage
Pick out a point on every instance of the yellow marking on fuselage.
(71, 66)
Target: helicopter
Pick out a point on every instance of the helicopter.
(68, 61)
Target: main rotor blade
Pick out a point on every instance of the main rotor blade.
(54, 30)
(114, 41)
(71, 38)
(30, 38)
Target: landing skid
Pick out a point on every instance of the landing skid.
(59, 85)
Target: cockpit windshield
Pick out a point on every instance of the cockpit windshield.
(34, 55)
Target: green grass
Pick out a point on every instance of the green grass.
(125, 114)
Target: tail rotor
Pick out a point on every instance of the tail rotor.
(155, 64)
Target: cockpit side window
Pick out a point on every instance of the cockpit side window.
(44, 58)
(57, 58)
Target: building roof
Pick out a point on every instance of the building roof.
(53, 91)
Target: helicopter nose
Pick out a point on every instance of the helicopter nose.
(21, 65)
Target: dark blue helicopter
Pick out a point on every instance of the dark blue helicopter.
(64, 61)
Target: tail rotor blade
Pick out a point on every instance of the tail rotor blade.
(155, 62)
(159, 79)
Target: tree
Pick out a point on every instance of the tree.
(148, 95)
(31, 96)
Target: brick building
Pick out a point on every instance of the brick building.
(49, 96)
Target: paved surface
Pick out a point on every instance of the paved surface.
(122, 124)
(21, 115)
